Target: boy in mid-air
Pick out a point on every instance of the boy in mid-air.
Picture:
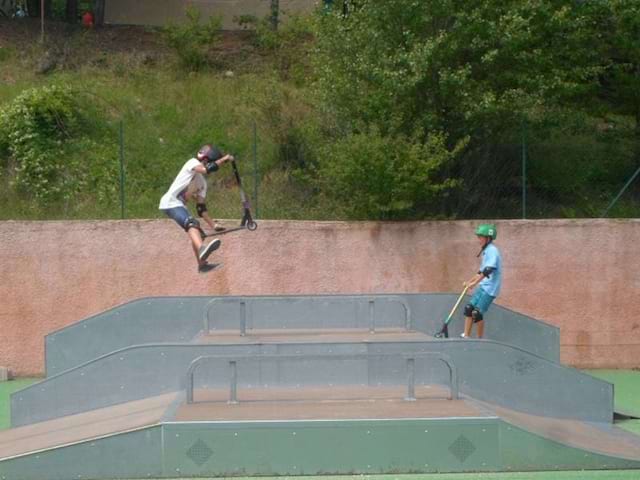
(489, 278)
(208, 159)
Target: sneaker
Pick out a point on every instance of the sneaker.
(206, 267)
(206, 250)
(462, 335)
(218, 228)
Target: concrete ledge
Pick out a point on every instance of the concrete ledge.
(5, 374)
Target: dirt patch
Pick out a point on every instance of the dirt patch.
(86, 44)
(26, 32)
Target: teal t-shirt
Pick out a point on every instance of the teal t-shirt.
(491, 258)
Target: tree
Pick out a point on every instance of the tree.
(462, 69)
(460, 66)
(620, 83)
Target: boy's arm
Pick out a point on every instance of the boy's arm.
(473, 281)
(489, 265)
(207, 218)
(485, 273)
(201, 209)
(213, 166)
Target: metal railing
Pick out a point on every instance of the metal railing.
(410, 359)
(245, 304)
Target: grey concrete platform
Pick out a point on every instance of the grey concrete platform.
(485, 369)
(69, 430)
(312, 335)
(183, 319)
(347, 429)
(306, 385)
(341, 402)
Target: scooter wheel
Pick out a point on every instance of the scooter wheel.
(252, 225)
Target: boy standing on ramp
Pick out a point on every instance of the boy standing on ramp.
(489, 278)
(208, 159)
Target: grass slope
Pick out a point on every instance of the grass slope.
(244, 101)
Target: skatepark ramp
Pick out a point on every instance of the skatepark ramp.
(306, 385)
(181, 319)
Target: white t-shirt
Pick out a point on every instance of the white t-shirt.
(187, 175)
(198, 186)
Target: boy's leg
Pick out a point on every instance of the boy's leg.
(196, 243)
(468, 324)
(201, 250)
(468, 314)
(208, 249)
(183, 218)
(484, 302)
(480, 325)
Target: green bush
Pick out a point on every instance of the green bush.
(5, 54)
(33, 131)
(246, 21)
(193, 39)
(371, 176)
(289, 46)
(51, 151)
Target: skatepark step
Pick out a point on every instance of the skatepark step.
(312, 335)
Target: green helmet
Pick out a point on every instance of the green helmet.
(487, 230)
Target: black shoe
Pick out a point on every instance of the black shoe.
(207, 267)
(206, 250)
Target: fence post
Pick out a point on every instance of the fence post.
(255, 167)
(372, 316)
(233, 382)
(122, 173)
(275, 13)
(243, 319)
(411, 380)
(524, 170)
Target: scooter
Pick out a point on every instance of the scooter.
(247, 221)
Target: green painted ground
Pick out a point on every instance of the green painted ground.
(626, 394)
(627, 399)
(627, 389)
(6, 388)
(582, 475)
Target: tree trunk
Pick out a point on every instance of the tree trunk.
(98, 11)
(71, 12)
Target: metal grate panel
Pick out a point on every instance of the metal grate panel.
(462, 448)
(199, 453)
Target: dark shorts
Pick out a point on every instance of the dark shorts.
(180, 214)
(481, 300)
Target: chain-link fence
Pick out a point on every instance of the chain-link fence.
(526, 179)
(131, 180)
(580, 177)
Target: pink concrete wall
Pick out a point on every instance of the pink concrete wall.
(579, 275)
